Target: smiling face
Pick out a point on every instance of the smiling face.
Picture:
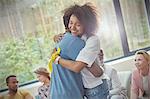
(75, 26)
(141, 62)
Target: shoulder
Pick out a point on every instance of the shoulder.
(69, 40)
(71, 37)
(40, 88)
(93, 42)
(93, 38)
(43, 88)
(24, 92)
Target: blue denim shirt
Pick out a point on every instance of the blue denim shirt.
(66, 84)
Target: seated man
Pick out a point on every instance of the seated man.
(116, 91)
(13, 92)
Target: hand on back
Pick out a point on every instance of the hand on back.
(58, 38)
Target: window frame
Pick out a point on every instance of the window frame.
(122, 31)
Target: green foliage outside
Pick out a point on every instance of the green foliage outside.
(21, 57)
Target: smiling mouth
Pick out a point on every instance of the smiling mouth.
(74, 33)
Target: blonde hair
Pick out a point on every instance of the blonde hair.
(145, 54)
(42, 71)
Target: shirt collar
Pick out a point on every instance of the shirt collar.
(84, 37)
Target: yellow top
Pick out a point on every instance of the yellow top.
(21, 94)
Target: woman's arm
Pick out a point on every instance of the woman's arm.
(134, 87)
(96, 70)
(75, 66)
(58, 38)
(86, 57)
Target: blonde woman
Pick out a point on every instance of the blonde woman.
(140, 87)
(43, 76)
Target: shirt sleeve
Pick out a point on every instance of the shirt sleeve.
(90, 52)
(115, 79)
(116, 84)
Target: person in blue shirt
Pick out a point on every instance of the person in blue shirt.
(66, 84)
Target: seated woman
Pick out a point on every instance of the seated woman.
(43, 76)
(140, 87)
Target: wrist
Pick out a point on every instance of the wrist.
(57, 60)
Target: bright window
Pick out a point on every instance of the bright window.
(136, 23)
(108, 32)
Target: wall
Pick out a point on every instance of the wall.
(125, 64)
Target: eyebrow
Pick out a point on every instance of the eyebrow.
(14, 81)
(140, 53)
